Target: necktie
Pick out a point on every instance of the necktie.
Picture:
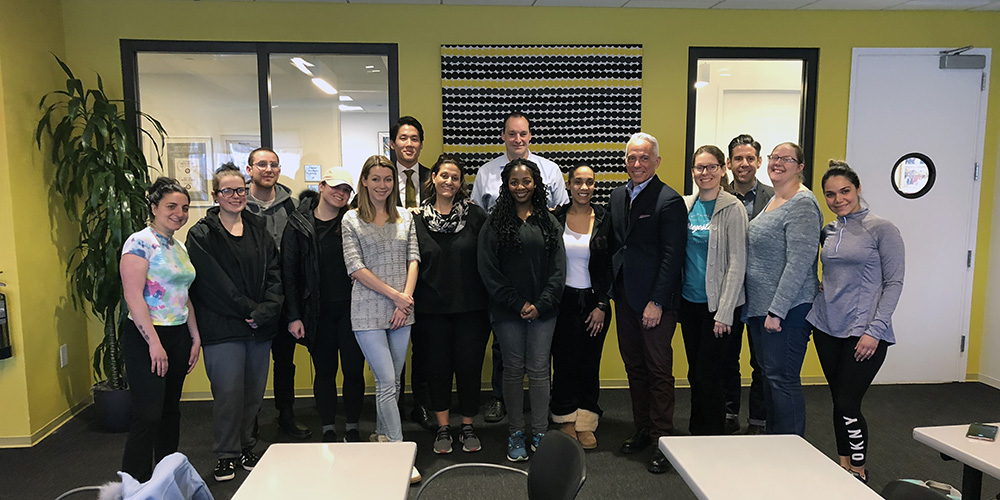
(411, 190)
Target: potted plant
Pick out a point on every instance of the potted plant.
(101, 174)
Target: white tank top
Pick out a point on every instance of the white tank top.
(577, 258)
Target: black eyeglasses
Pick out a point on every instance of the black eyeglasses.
(241, 191)
(712, 168)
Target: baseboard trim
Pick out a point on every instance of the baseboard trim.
(988, 380)
(49, 428)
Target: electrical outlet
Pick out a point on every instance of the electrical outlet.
(63, 355)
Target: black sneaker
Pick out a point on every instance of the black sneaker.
(352, 436)
(248, 459)
(330, 436)
(495, 412)
(225, 470)
(732, 426)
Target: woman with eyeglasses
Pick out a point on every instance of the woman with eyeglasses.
(523, 265)
(239, 298)
(159, 338)
(318, 299)
(451, 313)
(714, 266)
(863, 263)
(781, 282)
(584, 311)
(383, 257)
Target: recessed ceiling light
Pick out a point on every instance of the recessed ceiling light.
(302, 65)
(345, 98)
(369, 67)
(347, 107)
(324, 86)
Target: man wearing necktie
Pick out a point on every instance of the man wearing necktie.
(407, 141)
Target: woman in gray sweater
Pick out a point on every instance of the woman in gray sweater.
(782, 244)
(714, 266)
(852, 315)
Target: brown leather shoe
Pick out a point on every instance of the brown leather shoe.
(587, 439)
(569, 428)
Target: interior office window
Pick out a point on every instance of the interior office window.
(327, 110)
(208, 105)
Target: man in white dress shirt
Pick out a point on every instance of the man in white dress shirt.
(517, 138)
(407, 141)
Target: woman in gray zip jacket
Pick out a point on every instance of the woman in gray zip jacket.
(852, 314)
(714, 267)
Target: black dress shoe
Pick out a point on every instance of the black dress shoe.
(659, 463)
(639, 441)
(288, 425)
(423, 416)
(495, 412)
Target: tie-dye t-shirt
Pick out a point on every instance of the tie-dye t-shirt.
(169, 276)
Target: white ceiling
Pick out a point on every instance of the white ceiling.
(993, 5)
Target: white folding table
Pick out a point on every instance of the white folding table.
(976, 455)
(784, 467)
(331, 471)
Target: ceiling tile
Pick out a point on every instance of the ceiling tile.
(515, 3)
(579, 3)
(853, 4)
(762, 4)
(411, 2)
(941, 4)
(672, 4)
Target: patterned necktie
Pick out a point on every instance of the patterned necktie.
(411, 190)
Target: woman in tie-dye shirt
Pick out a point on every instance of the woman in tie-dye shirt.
(160, 339)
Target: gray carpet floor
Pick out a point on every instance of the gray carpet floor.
(81, 454)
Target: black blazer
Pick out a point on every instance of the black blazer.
(648, 245)
(600, 250)
(764, 195)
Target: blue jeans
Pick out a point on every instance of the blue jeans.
(385, 351)
(526, 346)
(781, 355)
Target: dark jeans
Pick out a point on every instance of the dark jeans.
(237, 371)
(781, 355)
(849, 379)
(649, 363)
(456, 347)
(734, 381)
(526, 349)
(283, 354)
(576, 355)
(154, 429)
(706, 368)
(496, 380)
(334, 336)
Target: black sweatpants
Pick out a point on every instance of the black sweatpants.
(576, 356)
(334, 336)
(154, 429)
(455, 345)
(849, 379)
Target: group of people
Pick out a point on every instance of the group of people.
(416, 258)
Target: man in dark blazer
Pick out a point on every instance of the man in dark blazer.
(744, 160)
(407, 141)
(649, 224)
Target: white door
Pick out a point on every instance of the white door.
(900, 103)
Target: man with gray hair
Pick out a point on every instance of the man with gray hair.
(649, 226)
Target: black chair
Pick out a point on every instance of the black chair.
(557, 472)
(905, 490)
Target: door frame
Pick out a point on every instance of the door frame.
(961, 368)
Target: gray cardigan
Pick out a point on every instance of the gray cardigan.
(727, 233)
(862, 277)
(385, 251)
(782, 247)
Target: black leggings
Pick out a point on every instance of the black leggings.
(455, 345)
(849, 380)
(334, 335)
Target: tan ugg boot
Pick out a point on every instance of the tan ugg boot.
(567, 423)
(586, 424)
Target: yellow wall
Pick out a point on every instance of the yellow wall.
(93, 28)
(36, 238)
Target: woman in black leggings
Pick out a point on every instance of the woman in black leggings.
(852, 315)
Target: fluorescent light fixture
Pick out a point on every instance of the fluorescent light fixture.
(324, 86)
(302, 65)
(369, 67)
(348, 107)
(345, 98)
(704, 71)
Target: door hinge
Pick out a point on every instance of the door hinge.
(982, 82)
(975, 172)
(968, 259)
(962, 347)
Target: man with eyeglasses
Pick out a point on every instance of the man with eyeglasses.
(274, 202)
(516, 137)
(744, 160)
(649, 229)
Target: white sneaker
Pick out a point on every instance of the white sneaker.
(378, 438)
(415, 476)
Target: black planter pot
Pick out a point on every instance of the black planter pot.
(112, 408)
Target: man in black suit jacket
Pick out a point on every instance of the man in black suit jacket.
(407, 141)
(744, 160)
(649, 224)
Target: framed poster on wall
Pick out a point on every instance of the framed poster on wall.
(237, 149)
(187, 160)
(383, 144)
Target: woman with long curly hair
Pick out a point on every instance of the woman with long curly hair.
(523, 265)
